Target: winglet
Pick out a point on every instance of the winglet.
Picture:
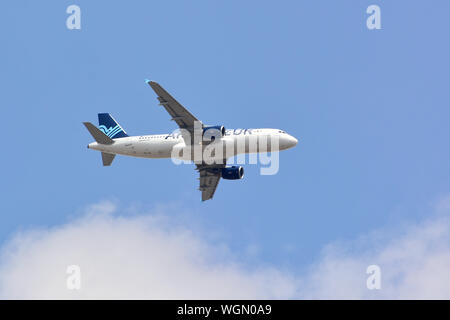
(147, 81)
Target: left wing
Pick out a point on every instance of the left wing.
(209, 179)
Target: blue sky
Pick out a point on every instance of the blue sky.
(370, 110)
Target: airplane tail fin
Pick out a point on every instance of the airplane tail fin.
(110, 127)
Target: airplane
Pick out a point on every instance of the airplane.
(111, 139)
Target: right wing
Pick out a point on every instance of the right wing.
(179, 114)
(209, 174)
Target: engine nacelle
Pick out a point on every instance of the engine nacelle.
(213, 132)
(233, 173)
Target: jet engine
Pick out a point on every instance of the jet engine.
(213, 132)
(233, 173)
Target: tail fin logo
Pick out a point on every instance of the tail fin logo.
(111, 132)
(110, 127)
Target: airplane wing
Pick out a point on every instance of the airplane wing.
(179, 114)
(209, 179)
(209, 174)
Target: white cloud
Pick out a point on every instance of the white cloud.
(135, 257)
(414, 262)
(149, 256)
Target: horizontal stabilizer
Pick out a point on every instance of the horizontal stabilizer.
(107, 158)
(99, 136)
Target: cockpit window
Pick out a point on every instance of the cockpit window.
(280, 131)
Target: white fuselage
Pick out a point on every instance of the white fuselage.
(235, 141)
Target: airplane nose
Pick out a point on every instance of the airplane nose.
(292, 142)
(288, 142)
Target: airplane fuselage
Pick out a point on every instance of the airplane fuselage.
(234, 142)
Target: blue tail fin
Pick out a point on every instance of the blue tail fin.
(110, 127)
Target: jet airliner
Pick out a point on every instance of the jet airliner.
(111, 139)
